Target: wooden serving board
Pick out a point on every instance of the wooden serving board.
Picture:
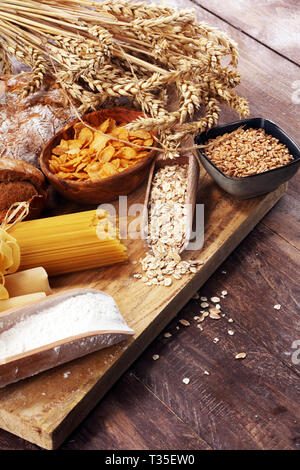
(46, 408)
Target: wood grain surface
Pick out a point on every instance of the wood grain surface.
(249, 404)
(44, 409)
(274, 23)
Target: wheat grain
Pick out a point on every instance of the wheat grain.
(100, 52)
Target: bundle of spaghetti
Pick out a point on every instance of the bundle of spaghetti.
(69, 243)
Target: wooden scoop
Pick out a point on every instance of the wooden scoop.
(191, 197)
(47, 356)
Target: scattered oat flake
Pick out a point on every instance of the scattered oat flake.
(204, 305)
(215, 300)
(204, 299)
(177, 276)
(196, 317)
(214, 316)
(168, 282)
(214, 310)
(216, 340)
(155, 357)
(241, 355)
(202, 318)
(231, 332)
(137, 276)
(206, 372)
(224, 292)
(200, 327)
(167, 335)
(186, 381)
(230, 320)
(277, 307)
(184, 322)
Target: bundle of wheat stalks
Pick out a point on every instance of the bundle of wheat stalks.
(99, 52)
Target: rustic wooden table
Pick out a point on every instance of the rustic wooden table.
(254, 405)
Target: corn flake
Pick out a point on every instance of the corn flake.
(92, 155)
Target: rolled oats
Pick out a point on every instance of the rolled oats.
(167, 226)
(242, 355)
(184, 322)
(214, 316)
(204, 305)
(167, 281)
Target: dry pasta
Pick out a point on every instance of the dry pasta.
(69, 243)
(9, 259)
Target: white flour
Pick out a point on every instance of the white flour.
(83, 313)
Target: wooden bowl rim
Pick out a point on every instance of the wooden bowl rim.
(90, 184)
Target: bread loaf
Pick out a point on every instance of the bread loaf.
(20, 181)
(27, 124)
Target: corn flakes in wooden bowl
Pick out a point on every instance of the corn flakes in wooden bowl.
(96, 166)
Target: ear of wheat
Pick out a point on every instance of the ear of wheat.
(100, 52)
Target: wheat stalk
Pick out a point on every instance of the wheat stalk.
(99, 52)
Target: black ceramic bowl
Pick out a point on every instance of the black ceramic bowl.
(253, 185)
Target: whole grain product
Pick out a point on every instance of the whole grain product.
(247, 152)
(20, 181)
(70, 242)
(10, 258)
(242, 355)
(77, 315)
(167, 227)
(100, 52)
(93, 156)
(10, 252)
(27, 124)
(27, 282)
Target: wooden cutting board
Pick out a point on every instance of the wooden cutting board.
(46, 408)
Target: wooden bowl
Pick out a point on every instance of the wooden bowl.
(108, 189)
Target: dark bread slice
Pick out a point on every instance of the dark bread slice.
(20, 181)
